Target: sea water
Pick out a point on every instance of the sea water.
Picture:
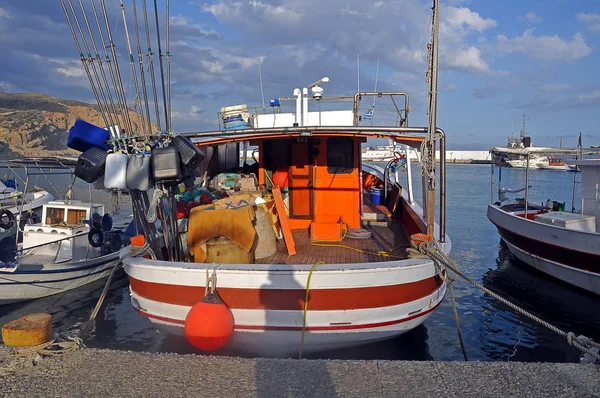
(491, 331)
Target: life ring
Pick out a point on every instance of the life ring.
(10, 219)
(95, 237)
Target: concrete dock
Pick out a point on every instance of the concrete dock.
(92, 372)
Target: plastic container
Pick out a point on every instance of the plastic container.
(84, 135)
(115, 176)
(166, 166)
(190, 154)
(90, 164)
(139, 173)
(376, 194)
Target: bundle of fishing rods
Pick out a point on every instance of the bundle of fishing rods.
(111, 96)
(128, 127)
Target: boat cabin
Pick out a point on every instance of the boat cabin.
(60, 222)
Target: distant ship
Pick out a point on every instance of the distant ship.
(509, 158)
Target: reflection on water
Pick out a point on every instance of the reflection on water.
(492, 331)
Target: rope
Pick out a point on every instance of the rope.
(306, 305)
(157, 196)
(432, 250)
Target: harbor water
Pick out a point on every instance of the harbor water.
(492, 331)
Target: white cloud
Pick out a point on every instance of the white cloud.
(589, 98)
(179, 20)
(546, 48)
(531, 18)
(592, 20)
(464, 17)
(4, 13)
(467, 59)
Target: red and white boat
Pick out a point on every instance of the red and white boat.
(364, 291)
(555, 164)
(561, 244)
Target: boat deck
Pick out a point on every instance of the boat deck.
(384, 239)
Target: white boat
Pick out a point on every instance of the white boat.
(366, 290)
(538, 162)
(556, 164)
(59, 254)
(19, 208)
(561, 244)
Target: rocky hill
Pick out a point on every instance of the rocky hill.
(34, 124)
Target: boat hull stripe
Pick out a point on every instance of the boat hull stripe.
(291, 299)
(308, 328)
(572, 258)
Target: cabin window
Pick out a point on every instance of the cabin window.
(340, 155)
(76, 217)
(54, 216)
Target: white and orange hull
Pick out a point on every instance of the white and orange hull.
(349, 304)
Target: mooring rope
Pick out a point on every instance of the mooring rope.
(431, 249)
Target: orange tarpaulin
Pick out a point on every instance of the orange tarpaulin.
(234, 224)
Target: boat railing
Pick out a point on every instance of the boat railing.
(384, 108)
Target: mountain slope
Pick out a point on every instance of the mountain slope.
(34, 124)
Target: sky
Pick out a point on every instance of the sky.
(498, 59)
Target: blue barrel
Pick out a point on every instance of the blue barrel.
(84, 135)
(376, 194)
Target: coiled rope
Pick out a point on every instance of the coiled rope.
(431, 249)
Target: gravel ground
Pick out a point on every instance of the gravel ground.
(92, 372)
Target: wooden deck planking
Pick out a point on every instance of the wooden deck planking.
(383, 239)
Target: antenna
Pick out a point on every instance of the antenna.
(375, 96)
(358, 69)
(523, 128)
(262, 93)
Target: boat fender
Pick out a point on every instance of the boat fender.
(95, 237)
(7, 219)
(209, 323)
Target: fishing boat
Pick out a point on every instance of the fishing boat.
(61, 253)
(17, 207)
(304, 250)
(564, 245)
(556, 164)
(350, 243)
(512, 154)
(70, 244)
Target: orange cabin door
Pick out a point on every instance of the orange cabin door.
(301, 181)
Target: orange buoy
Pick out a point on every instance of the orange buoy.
(209, 324)
(420, 238)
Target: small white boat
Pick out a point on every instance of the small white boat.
(59, 254)
(534, 162)
(19, 208)
(555, 164)
(561, 244)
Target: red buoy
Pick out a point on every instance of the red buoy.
(209, 324)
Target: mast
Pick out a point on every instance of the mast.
(429, 144)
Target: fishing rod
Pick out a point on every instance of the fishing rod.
(162, 73)
(121, 91)
(151, 65)
(84, 62)
(168, 65)
(141, 63)
(112, 107)
(132, 64)
(104, 104)
(121, 109)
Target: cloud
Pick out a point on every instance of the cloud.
(545, 48)
(592, 20)
(531, 17)
(464, 17)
